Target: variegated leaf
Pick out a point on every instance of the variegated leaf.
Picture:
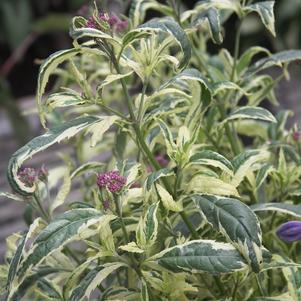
(236, 222)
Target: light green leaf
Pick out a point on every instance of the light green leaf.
(100, 127)
(63, 192)
(38, 144)
(188, 75)
(147, 231)
(92, 280)
(265, 9)
(211, 185)
(86, 167)
(278, 59)
(199, 256)
(64, 99)
(67, 227)
(212, 21)
(285, 208)
(225, 85)
(236, 222)
(78, 31)
(167, 200)
(144, 291)
(232, 5)
(248, 112)
(154, 176)
(170, 27)
(244, 162)
(131, 247)
(49, 65)
(112, 78)
(211, 158)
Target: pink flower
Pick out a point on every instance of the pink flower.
(43, 174)
(296, 135)
(28, 176)
(106, 204)
(112, 180)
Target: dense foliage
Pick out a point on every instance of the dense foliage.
(175, 179)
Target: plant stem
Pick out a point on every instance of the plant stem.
(149, 155)
(119, 213)
(40, 208)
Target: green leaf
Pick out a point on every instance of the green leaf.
(67, 227)
(244, 162)
(144, 291)
(231, 5)
(246, 58)
(211, 19)
(170, 27)
(265, 9)
(48, 289)
(248, 112)
(211, 158)
(38, 144)
(154, 176)
(49, 65)
(148, 227)
(236, 222)
(285, 208)
(92, 280)
(262, 174)
(199, 256)
(131, 247)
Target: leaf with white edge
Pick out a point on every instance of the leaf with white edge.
(168, 201)
(211, 185)
(211, 158)
(38, 224)
(11, 196)
(38, 144)
(63, 192)
(170, 27)
(49, 65)
(225, 85)
(236, 222)
(291, 209)
(262, 174)
(248, 112)
(244, 162)
(265, 9)
(246, 58)
(156, 175)
(199, 256)
(78, 31)
(21, 289)
(188, 75)
(277, 262)
(147, 231)
(282, 297)
(93, 279)
(231, 5)
(89, 167)
(277, 59)
(144, 291)
(211, 19)
(100, 127)
(67, 227)
(168, 138)
(131, 247)
(112, 78)
(63, 100)
(48, 289)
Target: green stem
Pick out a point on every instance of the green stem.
(108, 109)
(119, 213)
(149, 155)
(41, 209)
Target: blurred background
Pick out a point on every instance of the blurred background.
(30, 30)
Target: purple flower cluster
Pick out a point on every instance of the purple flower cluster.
(290, 231)
(112, 180)
(112, 21)
(30, 175)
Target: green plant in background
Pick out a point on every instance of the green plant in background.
(170, 201)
